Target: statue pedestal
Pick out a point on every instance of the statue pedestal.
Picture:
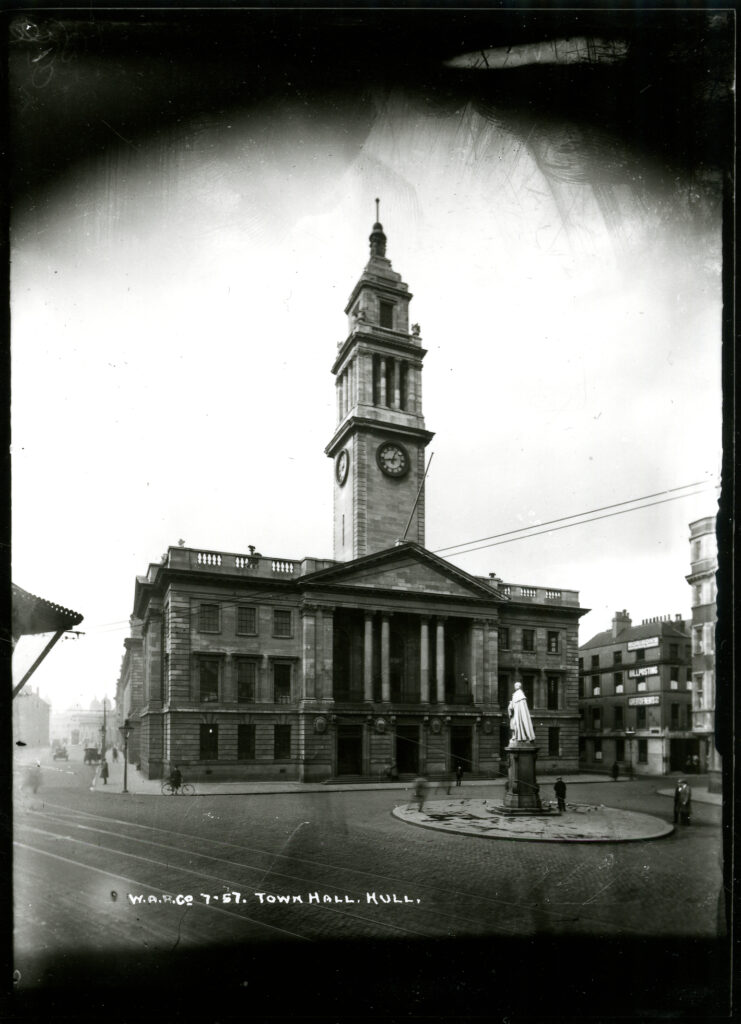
(521, 792)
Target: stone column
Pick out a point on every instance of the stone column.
(308, 623)
(382, 381)
(475, 732)
(476, 673)
(385, 659)
(424, 661)
(491, 662)
(325, 667)
(440, 661)
(368, 658)
(397, 383)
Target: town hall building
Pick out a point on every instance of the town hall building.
(245, 666)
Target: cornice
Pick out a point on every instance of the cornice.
(377, 428)
(381, 336)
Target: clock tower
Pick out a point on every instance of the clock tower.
(379, 444)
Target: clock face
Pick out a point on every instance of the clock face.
(393, 459)
(342, 466)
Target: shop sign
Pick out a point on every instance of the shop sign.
(646, 670)
(640, 645)
(651, 699)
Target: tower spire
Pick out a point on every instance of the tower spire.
(377, 237)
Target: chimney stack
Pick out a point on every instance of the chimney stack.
(620, 621)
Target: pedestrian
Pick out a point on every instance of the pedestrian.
(559, 788)
(682, 803)
(696, 763)
(114, 753)
(420, 792)
(104, 772)
(615, 772)
(458, 774)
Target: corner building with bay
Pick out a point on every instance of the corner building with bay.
(244, 666)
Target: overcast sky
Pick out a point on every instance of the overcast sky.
(176, 308)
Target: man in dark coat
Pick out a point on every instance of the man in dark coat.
(682, 803)
(104, 772)
(559, 788)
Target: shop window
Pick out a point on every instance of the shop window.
(208, 618)
(245, 742)
(246, 620)
(208, 679)
(281, 742)
(246, 680)
(209, 747)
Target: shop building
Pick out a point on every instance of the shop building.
(635, 697)
(242, 665)
(704, 566)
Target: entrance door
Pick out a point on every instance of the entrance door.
(460, 747)
(407, 749)
(682, 754)
(350, 750)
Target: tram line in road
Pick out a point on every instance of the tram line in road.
(65, 818)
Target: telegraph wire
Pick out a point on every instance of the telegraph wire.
(576, 515)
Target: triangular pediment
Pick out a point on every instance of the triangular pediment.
(406, 568)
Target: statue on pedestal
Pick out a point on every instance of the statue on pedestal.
(520, 723)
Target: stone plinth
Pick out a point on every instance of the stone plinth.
(521, 792)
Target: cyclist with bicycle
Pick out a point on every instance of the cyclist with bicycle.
(176, 778)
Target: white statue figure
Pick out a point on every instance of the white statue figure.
(520, 723)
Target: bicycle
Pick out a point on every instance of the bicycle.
(185, 788)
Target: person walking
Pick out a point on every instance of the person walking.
(682, 803)
(458, 774)
(114, 753)
(559, 788)
(615, 771)
(104, 772)
(420, 792)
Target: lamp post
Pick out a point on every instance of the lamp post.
(102, 735)
(125, 731)
(629, 733)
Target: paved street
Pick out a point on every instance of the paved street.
(143, 876)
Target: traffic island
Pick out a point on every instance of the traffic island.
(580, 823)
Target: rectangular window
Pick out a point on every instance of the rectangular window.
(697, 640)
(598, 750)
(246, 620)
(503, 685)
(553, 641)
(246, 680)
(619, 750)
(619, 687)
(282, 682)
(245, 742)
(640, 654)
(389, 371)
(554, 744)
(504, 638)
(208, 618)
(528, 685)
(581, 664)
(282, 622)
(617, 678)
(403, 385)
(674, 716)
(641, 686)
(642, 751)
(209, 743)
(674, 651)
(595, 717)
(641, 717)
(386, 314)
(618, 657)
(528, 639)
(595, 661)
(619, 723)
(674, 673)
(581, 687)
(595, 684)
(376, 380)
(208, 679)
(281, 742)
(552, 688)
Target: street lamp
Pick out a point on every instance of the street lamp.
(125, 731)
(629, 733)
(102, 735)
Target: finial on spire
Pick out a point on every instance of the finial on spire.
(377, 237)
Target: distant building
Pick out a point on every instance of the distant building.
(80, 727)
(31, 719)
(246, 666)
(704, 565)
(635, 697)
